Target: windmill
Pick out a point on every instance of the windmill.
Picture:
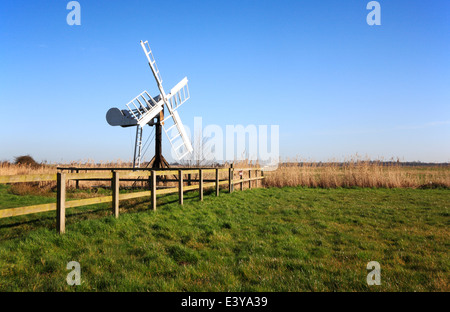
(147, 110)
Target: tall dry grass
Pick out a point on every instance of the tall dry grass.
(8, 168)
(358, 173)
(40, 188)
(354, 172)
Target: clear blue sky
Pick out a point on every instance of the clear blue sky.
(335, 85)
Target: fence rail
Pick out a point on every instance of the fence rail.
(115, 175)
(27, 178)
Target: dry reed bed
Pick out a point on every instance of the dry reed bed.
(311, 174)
(7, 168)
(359, 174)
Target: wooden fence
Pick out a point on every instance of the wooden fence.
(115, 175)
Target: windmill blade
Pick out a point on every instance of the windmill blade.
(143, 108)
(186, 143)
(178, 95)
(151, 61)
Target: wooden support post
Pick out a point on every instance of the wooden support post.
(249, 177)
(189, 179)
(256, 175)
(61, 202)
(180, 186)
(217, 182)
(115, 194)
(153, 186)
(200, 188)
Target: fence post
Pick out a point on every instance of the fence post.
(250, 177)
(115, 194)
(200, 188)
(153, 186)
(242, 179)
(180, 186)
(77, 182)
(217, 182)
(189, 179)
(61, 202)
(230, 178)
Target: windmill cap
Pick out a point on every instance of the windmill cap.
(115, 117)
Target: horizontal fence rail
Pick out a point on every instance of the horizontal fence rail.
(27, 178)
(116, 175)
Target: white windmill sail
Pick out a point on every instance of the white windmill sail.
(143, 108)
(151, 61)
(177, 96)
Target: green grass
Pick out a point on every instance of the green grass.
(287, 239)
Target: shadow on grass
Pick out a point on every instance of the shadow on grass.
(15, 227)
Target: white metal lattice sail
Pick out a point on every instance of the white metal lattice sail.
(143, 109)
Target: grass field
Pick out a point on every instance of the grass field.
(273, 239)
